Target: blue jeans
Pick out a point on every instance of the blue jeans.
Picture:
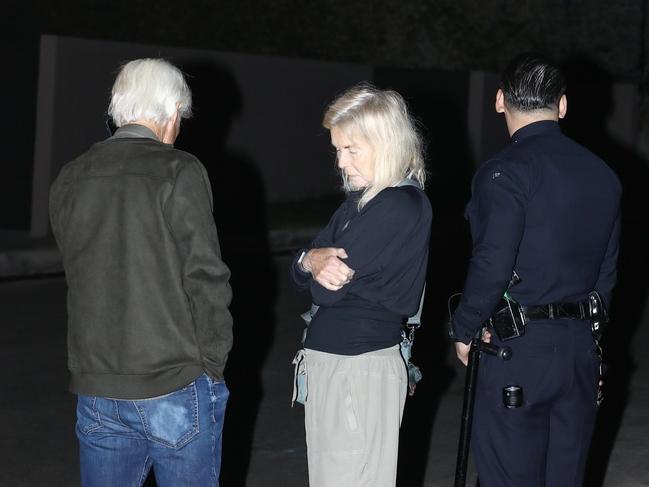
(178, 434)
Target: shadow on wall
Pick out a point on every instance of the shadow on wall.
(590, 103)
(240, 215)
(438, 102)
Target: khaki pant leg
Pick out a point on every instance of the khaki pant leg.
(352, 418)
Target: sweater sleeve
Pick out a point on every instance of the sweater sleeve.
(381, 225)
(324, 238)
(205, 277)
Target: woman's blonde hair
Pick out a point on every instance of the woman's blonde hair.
(381, 117)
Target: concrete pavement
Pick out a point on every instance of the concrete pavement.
(264, 444)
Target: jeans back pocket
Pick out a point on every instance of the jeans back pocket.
(172, 419)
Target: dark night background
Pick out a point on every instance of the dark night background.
(440, 34)
(410, 43)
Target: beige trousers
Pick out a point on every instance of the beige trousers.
(353, 413)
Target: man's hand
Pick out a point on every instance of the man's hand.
(327, 268)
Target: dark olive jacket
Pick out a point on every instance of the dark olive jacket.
(148, 293)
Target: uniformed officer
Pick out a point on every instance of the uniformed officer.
(548, 210)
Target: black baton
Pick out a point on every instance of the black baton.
(477, 346)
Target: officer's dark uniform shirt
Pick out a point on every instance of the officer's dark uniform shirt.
(549, 209)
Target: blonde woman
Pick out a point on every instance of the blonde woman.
(366, 272)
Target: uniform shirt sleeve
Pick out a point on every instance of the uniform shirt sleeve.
(608, 272)
(205, 276)
(374, 234)
(497, 217)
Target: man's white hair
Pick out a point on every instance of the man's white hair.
(149, 89)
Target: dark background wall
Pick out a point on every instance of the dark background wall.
(256, 118)
(411, 34)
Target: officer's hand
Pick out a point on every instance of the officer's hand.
(327, 268)
(462, 352)
(486, 336)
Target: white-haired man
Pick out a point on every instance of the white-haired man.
(149, 329)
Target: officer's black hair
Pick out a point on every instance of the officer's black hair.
(532, 82)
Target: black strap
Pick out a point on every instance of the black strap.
(408, 181)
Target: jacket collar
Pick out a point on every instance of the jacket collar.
(134, 130)
(536, 128)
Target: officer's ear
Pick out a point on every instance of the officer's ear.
(563, 106)
(500, 101)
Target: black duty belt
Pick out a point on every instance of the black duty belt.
(510, 318)
(555, 311)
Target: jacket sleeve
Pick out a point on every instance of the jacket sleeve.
(57, 194)
(497, 214)
(608, 269)
(205, 277)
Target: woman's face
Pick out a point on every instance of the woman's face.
(355, 158)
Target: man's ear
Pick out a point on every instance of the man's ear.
(563, 106)
(500, 101)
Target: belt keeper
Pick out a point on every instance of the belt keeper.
(551, 311)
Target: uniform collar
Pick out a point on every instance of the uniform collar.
(134, 130)
(536, 128)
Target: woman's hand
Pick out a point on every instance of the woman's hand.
(327, 268)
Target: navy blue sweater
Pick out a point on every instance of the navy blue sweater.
(387, 247)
